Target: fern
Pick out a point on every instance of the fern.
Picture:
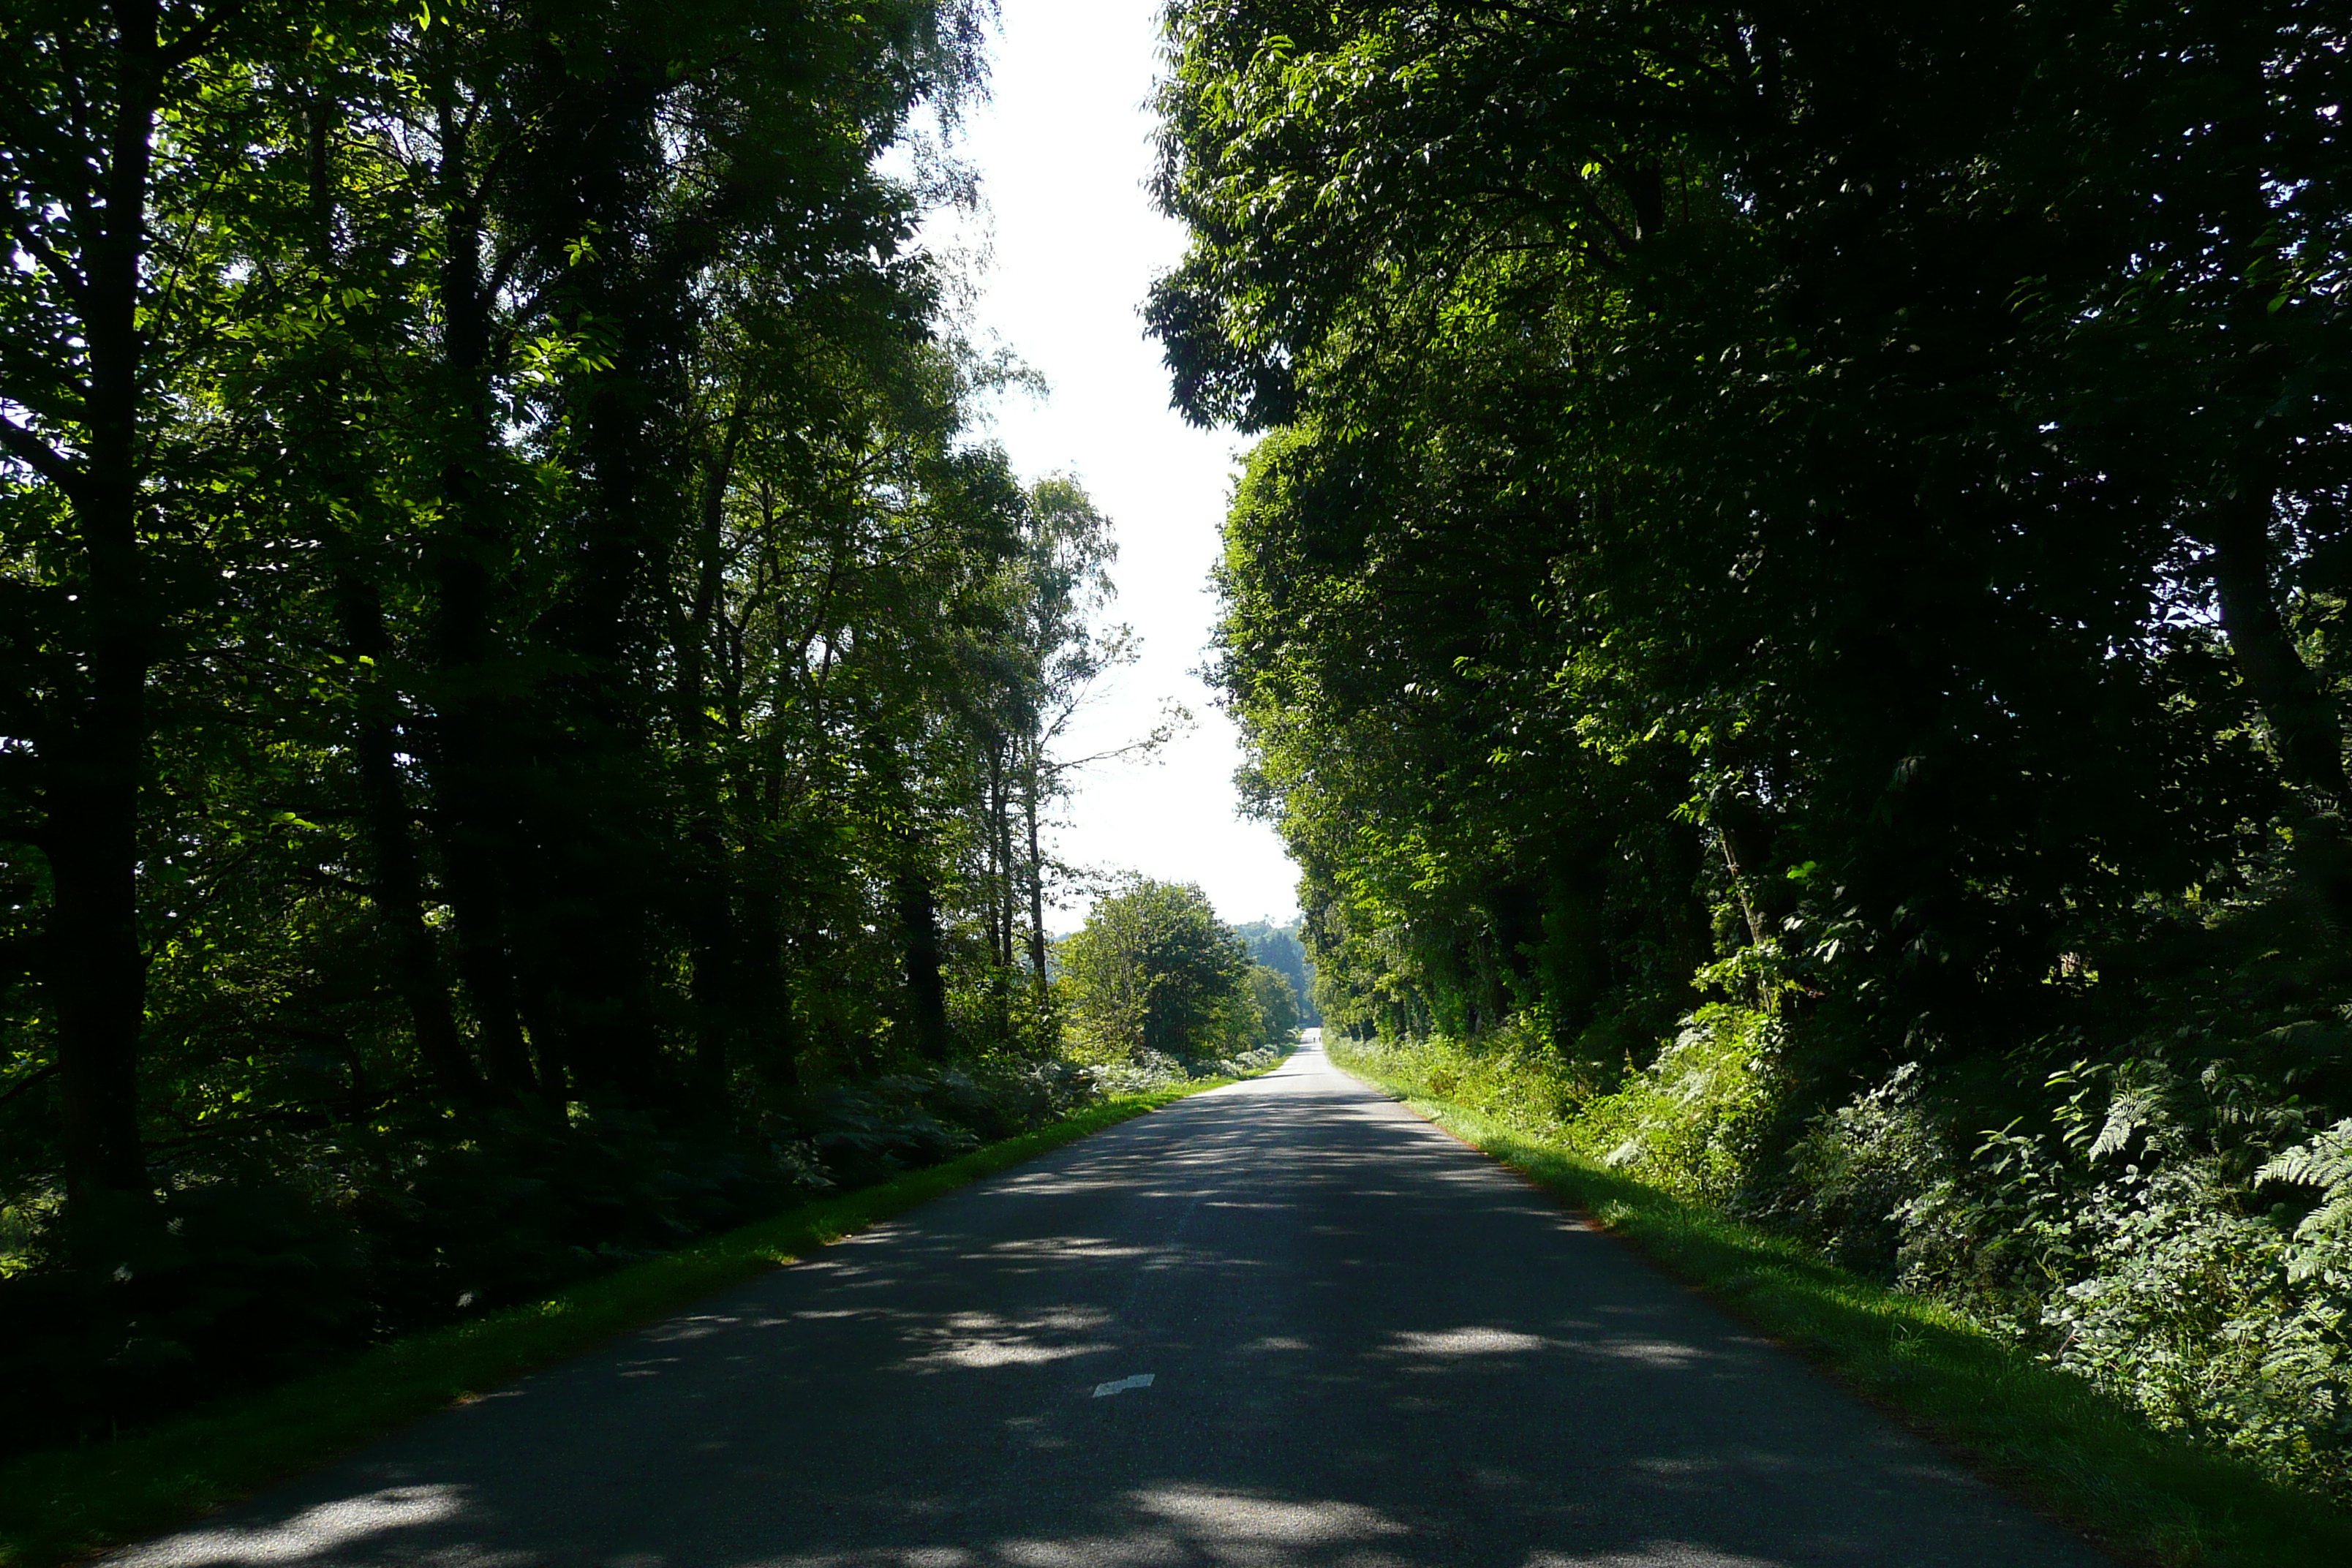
(2324, 1239)
(2325, 1162)
(2133, 1109)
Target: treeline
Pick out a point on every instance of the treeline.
(1279, 947)
(526, 712)
(1154, 977)
(1845, 507)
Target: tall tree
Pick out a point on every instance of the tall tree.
(1154, 969)
(104, 154)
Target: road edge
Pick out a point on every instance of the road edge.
(62, 1504)
(2072, 1455)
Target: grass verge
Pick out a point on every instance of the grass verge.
(2087, 1461)
(63, 1503)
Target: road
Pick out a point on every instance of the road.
(1366, 1344)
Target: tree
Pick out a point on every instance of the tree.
(519, 675)
(1154, 970)
(1277, 948)
(1833, 514)
(1275, 1003)
(1033, 657)
(1648, 494)
(105, 126)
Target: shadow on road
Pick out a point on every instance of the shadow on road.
(1367, 1346)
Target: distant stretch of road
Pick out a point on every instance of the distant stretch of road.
(1284, 1322)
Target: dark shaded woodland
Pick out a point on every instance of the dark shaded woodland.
(1790, 605)
(526, 713)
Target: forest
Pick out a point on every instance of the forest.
(1790, 601)
(532, 713)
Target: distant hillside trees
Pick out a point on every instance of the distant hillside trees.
(1279, 947)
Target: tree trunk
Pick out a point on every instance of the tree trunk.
(1002, 897)
(604, 856)
(2304, 726)
(721, 980)
(1740, 857)
(2307, 729)
(96, 971)
(770, 1031)
(396, 885)
(477, 831)
(991, 811)
(1036, 890)
(927, 993)
(396, 882)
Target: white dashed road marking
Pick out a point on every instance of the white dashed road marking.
(1141, 1379)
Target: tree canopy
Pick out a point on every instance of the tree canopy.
(1154, 972)
(1842, 505)
(527, 707)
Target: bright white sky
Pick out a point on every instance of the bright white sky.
(1062, 151)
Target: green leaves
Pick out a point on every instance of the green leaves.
(1154, 972)
(536, 600)
(2324, 1235)
(1827, 515)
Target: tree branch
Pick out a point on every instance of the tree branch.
(48, 255)
(40, 1075)
(40, 456)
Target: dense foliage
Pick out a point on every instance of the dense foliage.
(526, 715)
(1845, 507)
(1154, 977)
(1279, 947)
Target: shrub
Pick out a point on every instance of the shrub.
(2116, 1231)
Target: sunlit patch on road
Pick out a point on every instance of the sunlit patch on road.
(983, 1339)
(1471, 1341)
(1654, 1554)
(314, 1532)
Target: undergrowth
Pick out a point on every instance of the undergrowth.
(65, 1502)
(290, 1247)
(2148, 1364)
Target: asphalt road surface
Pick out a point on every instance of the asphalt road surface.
(1365, 1346)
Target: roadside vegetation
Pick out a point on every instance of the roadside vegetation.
(2082, 1454)
(65, 1503)
(1790, 605)
(528, 715)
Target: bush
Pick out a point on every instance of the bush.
(1691, 1121)
(2123, 1242)
(277, 1256)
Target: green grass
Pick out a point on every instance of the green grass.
(63, 1503)
(2082, 1458)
